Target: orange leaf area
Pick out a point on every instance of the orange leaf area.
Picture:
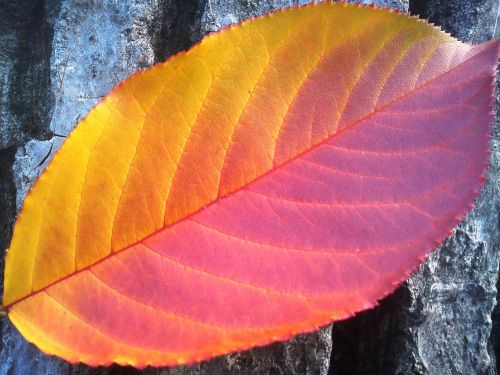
(283, 173)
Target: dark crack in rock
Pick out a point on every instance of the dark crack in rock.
(26, 32)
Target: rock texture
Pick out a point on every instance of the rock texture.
(58, 57)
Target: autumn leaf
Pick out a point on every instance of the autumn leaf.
(283, 173)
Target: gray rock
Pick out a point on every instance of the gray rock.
(474, 21)
(59, 57)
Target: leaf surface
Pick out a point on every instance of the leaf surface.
(283, 173)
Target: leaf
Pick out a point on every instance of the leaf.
(284, 173)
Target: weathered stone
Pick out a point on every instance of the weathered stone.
(473, 21)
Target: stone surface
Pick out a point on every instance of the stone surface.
(474, 21)
(59, 57)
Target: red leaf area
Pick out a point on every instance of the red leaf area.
(353, 217)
